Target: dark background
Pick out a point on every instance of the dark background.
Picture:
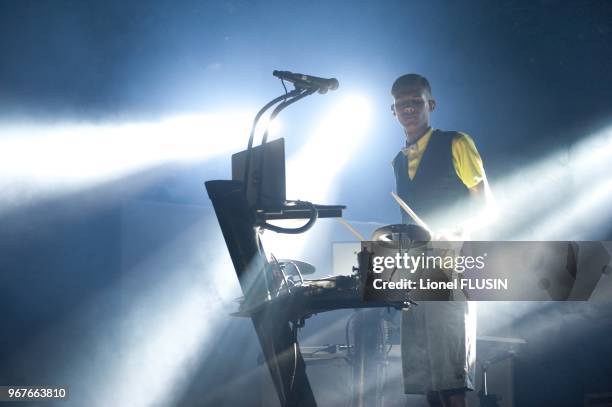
(525, 79)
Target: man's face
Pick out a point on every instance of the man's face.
(412, 107)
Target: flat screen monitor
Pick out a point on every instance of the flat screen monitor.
(269, 178)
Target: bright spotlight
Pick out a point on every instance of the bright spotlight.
(569, 220)
(555, 191)
(48, 160)
(311, 172)
(173, 306)
(274, 127)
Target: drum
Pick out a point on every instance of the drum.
(408, 233)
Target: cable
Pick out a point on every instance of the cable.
(314, 214)
(284, 87)
(290, 98)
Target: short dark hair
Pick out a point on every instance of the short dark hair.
(410, 81)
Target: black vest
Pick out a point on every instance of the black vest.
(436, 185)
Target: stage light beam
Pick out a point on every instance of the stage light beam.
(39, 161)
(311, 172)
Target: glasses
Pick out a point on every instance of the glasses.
(404, 104)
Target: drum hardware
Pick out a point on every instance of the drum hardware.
(412, 235)
(485, 398)
(300, 267)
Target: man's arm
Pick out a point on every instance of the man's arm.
(467, 161)
(469, 168)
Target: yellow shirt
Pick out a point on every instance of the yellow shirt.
(466, 159)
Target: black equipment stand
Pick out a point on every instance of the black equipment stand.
(270, 319)
(276, 318)
(277, 306)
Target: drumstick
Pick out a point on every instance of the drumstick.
(410, 212)
(351, 229)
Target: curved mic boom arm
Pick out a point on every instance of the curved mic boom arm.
(287, 99)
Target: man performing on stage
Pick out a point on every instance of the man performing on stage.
(436, 171)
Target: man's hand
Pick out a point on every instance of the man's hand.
(479, 191)
(487, 210)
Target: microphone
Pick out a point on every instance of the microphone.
(307, 81)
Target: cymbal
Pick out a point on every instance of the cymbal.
(402, 231)
(304, 267)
